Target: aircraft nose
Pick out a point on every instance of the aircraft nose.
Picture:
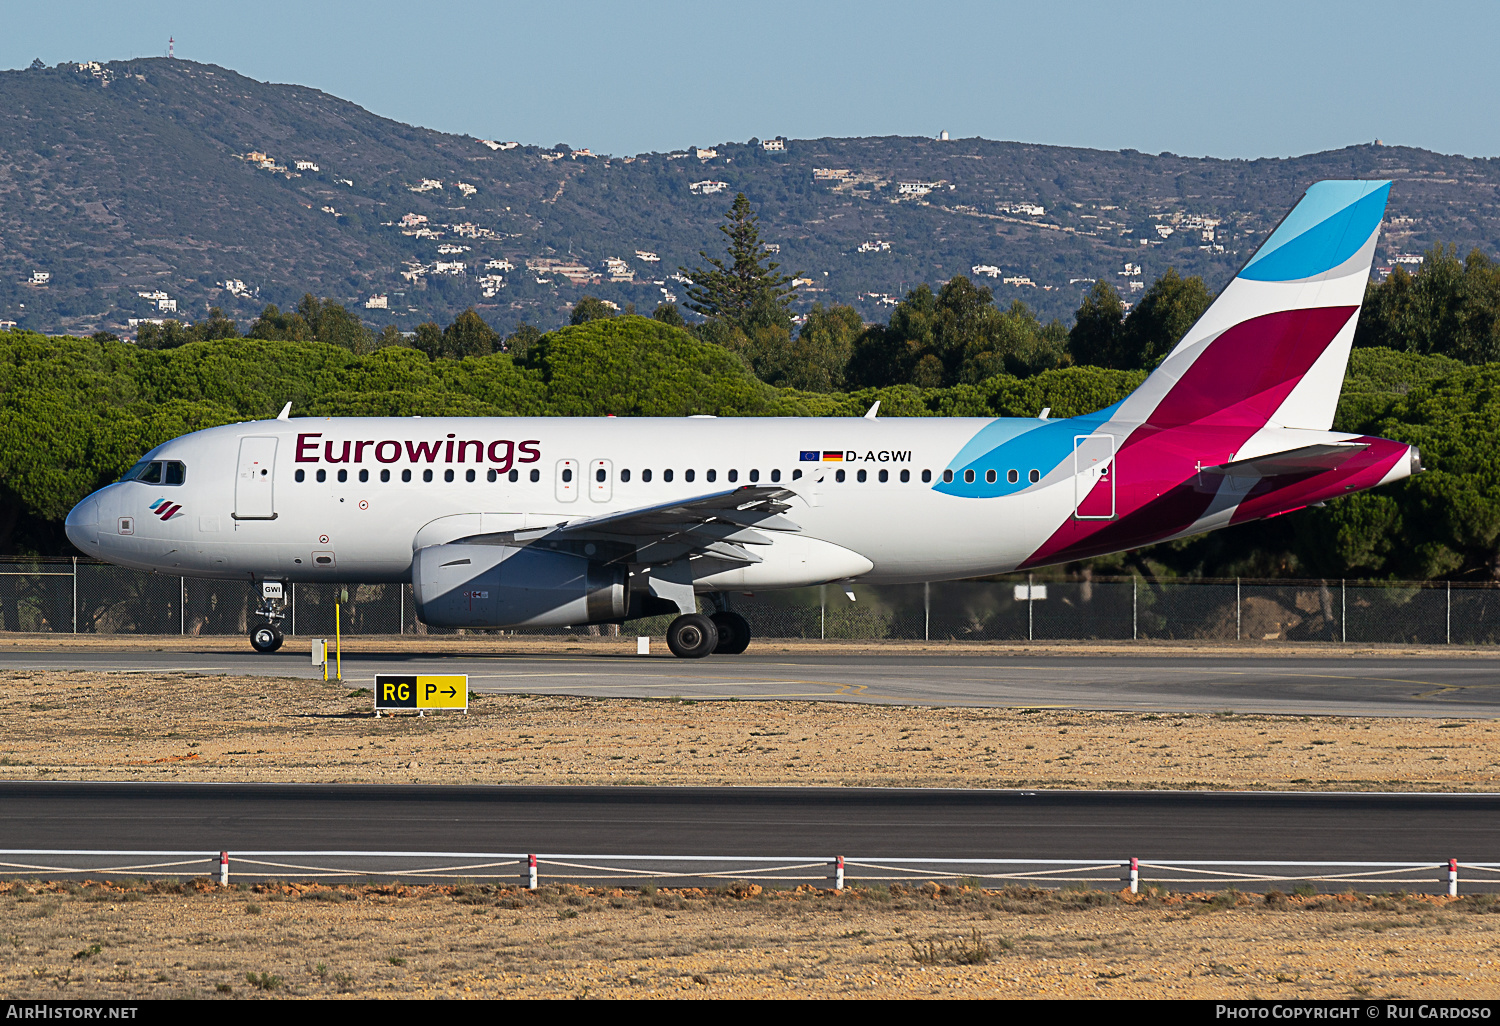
(82, 525)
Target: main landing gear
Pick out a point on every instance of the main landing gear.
(266, 637)
(695, 635)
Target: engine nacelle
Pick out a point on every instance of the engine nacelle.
(468, 585)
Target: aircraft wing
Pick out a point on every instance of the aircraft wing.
(1309, 459)
(718, 525)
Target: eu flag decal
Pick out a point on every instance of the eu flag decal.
(809, 456)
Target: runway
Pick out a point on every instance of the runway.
(951, 824)
(1299, 685)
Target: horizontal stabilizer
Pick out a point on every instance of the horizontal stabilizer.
(1309, 459)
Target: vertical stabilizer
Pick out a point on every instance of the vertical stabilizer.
(1272, 349)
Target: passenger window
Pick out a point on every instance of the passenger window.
(448, 476)
(796, 475)
(491, 475)
(734, 475)
(599, 475)
(713, 475)
(666, 475)
(775, 475)
(406, 475)
(1034, 476)
(754, 476)
(646, 476)
(861, 476)
(839, 477)
(300, 476)
(624, 476)
(885, 475)
(905, 476)
(989, 476)
(364, 475)
(385, 476)
(687, 475)
(947, 476)
(567, 474)
(469, 476)
(176, 473)
(968, 477)
(427, 476)
(514, 475)
(1012, 476)
(322, 476)
(343, 476)
(536, 475)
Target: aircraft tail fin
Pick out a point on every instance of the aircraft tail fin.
(1273, 347)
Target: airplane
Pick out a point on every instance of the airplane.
(530, 522)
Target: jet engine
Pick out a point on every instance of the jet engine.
(472, 585)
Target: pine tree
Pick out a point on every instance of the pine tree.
(729, 290)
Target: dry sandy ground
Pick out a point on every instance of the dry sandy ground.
(463, 942)
(119, 726)
(144, 941)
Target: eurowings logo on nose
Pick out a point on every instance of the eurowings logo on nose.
(165, 510)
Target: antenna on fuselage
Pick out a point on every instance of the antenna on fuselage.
(1046, 412)
(874, 411)
(286, 412)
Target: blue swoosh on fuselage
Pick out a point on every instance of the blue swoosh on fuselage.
(1019, 444)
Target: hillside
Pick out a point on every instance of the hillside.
(132, 177)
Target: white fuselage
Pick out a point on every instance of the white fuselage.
(276, 526)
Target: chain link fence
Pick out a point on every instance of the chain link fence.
(88, 597)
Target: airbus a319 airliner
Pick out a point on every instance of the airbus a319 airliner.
(510, 522)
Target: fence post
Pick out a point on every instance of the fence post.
(1239, 634)
(531, 872)
(1135, 621)
(822, 611)
(75, 594)
(927, 611)
(1030, 606)
(838, 872)
(1135, 875)
(1343, 611)
(182, 606)
(294, 610)
(1453, 878)
(223, 869)
(401, 623)
(1450, 612)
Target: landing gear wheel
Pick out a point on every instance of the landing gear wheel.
(734, 633)
(265, 639)
(692, 636)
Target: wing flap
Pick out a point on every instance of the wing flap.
(718, 525)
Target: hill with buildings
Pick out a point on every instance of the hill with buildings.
(158, 188)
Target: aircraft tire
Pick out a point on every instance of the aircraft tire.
(734, 633)
(692, 636)
(265, 639)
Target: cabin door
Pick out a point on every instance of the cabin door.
(1094, 477)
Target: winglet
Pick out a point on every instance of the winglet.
(286, 412)
(874, 411)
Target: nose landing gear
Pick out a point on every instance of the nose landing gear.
(266, 637)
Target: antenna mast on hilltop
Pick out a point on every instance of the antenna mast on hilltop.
(171, 43)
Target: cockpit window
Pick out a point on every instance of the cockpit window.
(171, 472)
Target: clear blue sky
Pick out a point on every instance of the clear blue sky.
(1241, 79)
